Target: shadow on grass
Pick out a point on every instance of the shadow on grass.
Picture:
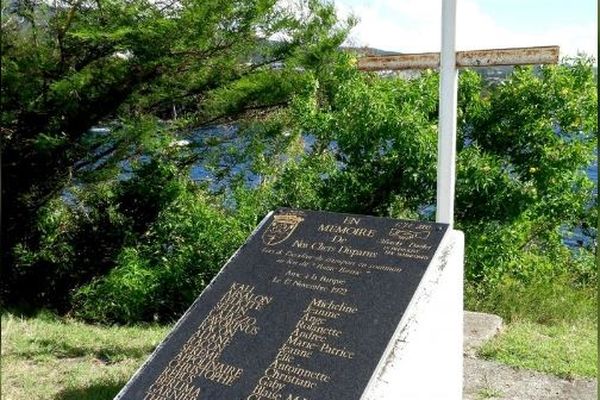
(107, 354)
(96, 391)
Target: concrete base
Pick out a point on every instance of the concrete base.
(425, 357)
(478, 329)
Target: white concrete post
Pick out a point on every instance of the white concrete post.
(446, 163)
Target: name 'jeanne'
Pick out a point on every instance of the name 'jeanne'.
(347, 230)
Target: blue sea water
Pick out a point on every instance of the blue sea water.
(592, 172)
(578, 238)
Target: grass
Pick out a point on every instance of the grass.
(488, 393)
(550, 300)
(50, 358)
(567, 349)
(551, 324)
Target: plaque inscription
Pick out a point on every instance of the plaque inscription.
(303, 311)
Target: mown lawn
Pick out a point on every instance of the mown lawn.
(48, 358)
(565, 349)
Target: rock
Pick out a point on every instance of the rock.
(478, 329)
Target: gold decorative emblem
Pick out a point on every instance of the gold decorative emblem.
(281, 228)
(409, 234)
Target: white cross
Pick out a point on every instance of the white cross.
(449, 61)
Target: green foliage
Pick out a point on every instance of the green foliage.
(540, 287)
(381, 132)
(159, 276)
(75, 199)
(110, 224)
(540, 128)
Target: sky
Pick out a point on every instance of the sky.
(415, 25)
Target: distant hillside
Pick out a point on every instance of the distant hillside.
(369, 51)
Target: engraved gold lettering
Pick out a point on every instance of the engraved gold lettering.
(347, 230)
(310, 335)
(199, 356)
(353, 252)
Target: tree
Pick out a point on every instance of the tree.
(130, 65)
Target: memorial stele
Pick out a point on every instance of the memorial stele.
(320, 306)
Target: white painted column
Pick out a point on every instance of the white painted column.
(446, 163)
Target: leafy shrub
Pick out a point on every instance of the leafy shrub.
(163, 273)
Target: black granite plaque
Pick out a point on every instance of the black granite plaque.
(303, 311)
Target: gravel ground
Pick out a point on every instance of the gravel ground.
(489, 380)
